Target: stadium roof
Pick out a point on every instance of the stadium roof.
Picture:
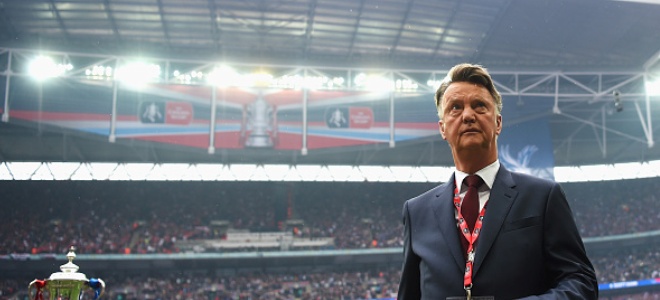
(560, 39)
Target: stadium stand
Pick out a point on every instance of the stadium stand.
(192, 217)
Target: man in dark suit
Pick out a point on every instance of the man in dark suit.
(499, 234)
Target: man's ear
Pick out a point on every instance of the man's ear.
(441, 127)
(499, 124)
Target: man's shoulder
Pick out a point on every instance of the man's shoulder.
(527, 179)
(428, 195)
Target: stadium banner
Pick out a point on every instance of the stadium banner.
(269, 118)
(525, 144)
(334, 119)
(3, 92)
(62, 103)
(628, 284)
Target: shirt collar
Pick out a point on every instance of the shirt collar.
(487, 174)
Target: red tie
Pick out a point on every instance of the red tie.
(470, 206)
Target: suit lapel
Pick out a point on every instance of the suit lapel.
(502, 196)
(443, 207)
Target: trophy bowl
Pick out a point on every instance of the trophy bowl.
(67, 284)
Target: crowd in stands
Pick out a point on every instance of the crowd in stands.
(615, 207)
(151, 217)
(180, 286)
(635, 296)
(347, 285)
(628, 264)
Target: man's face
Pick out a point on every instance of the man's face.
(469, 118)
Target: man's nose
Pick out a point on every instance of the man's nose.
(468, 115)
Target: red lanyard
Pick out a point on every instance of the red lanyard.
(471, 238)
(39, 284)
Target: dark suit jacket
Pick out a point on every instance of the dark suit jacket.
(529, 245)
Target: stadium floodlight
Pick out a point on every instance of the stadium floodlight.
(138, 73)
(406, 84)
(315, 82)
(435, 84)
(289, 81)
(653, 87)
(259, 79)
(44, 67)
(222, 76)
(373, 82)
(307, 82)
(99, 72)
(187, 78)
(335, 82)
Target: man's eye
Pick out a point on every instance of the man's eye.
(480, 106)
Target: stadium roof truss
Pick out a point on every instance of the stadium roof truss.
(568, 90)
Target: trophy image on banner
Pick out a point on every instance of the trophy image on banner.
(259, 123)
(66, 285)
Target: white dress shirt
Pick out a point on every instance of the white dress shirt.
(487, 174)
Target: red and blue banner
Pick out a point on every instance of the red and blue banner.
(282, 119)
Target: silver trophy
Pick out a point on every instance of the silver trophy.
(260, 123)
(66, 285)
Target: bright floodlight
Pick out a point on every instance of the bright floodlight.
(373, 82)
(405, 84)
(222, 76)
(653, 87)
(258, 79)
(44, 67)
(138, 73)
(435, 84)
(99, 72)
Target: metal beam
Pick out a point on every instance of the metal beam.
(634, 138)
(216, 32)
(570, 90)
(646, 124)
(533, 79)
(6, 23)
(309, 26)
(651, 62)
(403, 23)
(111, 18)
(489, 33)
(161, 13)
(351, 46)
(5, 111)
(641, 1)
(445, 31)
(626, 151)
(58, 17)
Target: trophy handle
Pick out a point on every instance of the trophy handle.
(38, 286)
(98, 285)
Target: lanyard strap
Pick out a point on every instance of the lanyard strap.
(471, 238)
(39, 285)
